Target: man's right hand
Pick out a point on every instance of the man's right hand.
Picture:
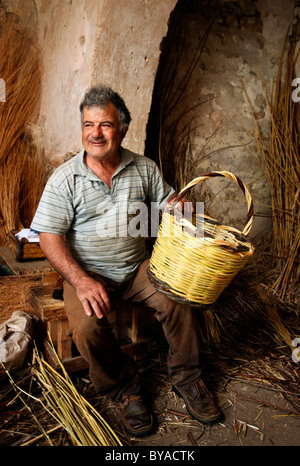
(93, 297)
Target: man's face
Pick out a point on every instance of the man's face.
(101, 134)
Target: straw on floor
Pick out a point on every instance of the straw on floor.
(71, 410)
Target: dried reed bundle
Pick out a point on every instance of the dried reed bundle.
(11, 172)
(78, 417)
(19, 68)
(280, 163)
(280, 330)
(21, 170)
(22, 179)
(32, 183)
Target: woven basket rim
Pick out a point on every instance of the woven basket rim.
(226, 174)
(242, 242)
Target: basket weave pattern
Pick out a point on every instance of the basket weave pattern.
(193, 262)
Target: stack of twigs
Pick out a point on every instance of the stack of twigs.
(60, 399)
(21, 170)
(78, 417)
(281, 165)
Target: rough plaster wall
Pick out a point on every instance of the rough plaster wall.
(250, 52)
(86, 42)
(127, 54)
(67, 32)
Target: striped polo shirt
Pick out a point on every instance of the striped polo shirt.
(103, 227)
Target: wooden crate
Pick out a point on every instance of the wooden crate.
(24, 250)
(14, 288)
(14, 294)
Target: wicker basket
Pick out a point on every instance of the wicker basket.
(194, 261)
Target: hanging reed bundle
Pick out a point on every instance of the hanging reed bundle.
(33, 181)
(19, 68)
(279, 160)
(11, 172)
(193, 261)
(21, 167)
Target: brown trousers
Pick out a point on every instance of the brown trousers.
(113, 372)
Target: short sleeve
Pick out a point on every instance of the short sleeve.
(55, 211)
(160, 191)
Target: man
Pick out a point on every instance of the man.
(76, 219)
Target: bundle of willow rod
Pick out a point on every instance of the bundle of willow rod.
(193, 261)
(20, 70)
(21, 170)
(84, 424)
(279, 161)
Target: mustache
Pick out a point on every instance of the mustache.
(91, 139)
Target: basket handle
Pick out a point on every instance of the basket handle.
(234, 178)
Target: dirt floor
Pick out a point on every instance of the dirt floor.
(249, 369)
(255, 411)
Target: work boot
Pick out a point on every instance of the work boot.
(199, 403)
(136, 419)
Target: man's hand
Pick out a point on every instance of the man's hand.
(185, 205)
(93, 297)
(91, 293)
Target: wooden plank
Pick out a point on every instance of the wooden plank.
(73, 364)
(137, 350)
(50, 278)
(47, 307)
(64, 341)
(36, 267)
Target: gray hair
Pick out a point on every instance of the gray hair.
(100, 96)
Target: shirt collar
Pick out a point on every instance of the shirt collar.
(80, 168)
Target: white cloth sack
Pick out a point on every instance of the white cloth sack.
(15, 336)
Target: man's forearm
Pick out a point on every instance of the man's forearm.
(90, 292)
(59, 255)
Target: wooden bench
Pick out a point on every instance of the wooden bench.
(128, 324)
(14, 287)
